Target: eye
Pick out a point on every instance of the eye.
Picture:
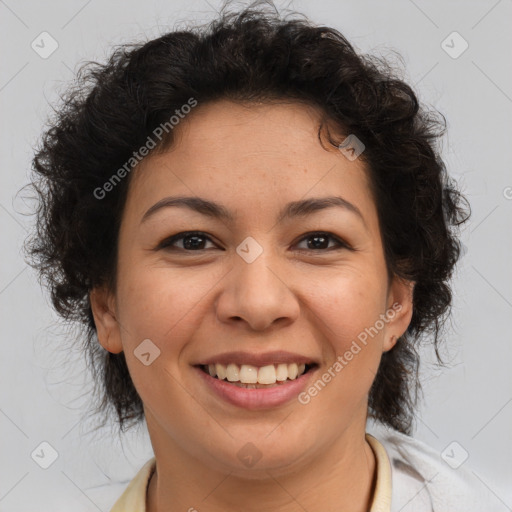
(192, 241)
(320, 240)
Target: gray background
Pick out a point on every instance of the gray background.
(45, 388)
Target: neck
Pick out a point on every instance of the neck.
(341, 478)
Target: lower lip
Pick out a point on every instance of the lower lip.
(257, 398)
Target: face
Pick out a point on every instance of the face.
(270, 277)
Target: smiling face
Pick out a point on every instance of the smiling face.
(274, 274)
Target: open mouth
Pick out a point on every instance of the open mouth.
(254, 377)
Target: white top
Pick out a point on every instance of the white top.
(424, 480)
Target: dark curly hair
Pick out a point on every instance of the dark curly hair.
(256, 54)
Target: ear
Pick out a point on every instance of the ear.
(107, 327)
(399, 311)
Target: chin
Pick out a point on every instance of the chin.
(255, 459)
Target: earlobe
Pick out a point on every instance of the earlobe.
(390, 343)
(107, 326)
(401, 302)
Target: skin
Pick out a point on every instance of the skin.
(194, 304)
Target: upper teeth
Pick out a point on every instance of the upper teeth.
(248, 374)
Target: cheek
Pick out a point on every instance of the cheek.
(154, 306)
(350, 300)
(349, 310)
(157, 305)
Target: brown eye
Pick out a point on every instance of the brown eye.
(320, 240)
(189, 241)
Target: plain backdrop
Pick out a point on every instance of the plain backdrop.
(45, 388)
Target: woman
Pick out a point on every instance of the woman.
(253, 225)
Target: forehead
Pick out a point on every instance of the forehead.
(248, 154)
(224, 130)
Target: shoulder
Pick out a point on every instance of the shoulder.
(422, 480)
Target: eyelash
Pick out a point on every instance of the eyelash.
(168, 242)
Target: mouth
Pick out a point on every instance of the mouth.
(257, 377)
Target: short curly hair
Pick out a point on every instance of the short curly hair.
(255, 54)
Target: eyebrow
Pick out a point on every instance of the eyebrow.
(214, 210)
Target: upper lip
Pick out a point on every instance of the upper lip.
(262, 359)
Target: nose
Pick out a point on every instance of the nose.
(259, 294)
